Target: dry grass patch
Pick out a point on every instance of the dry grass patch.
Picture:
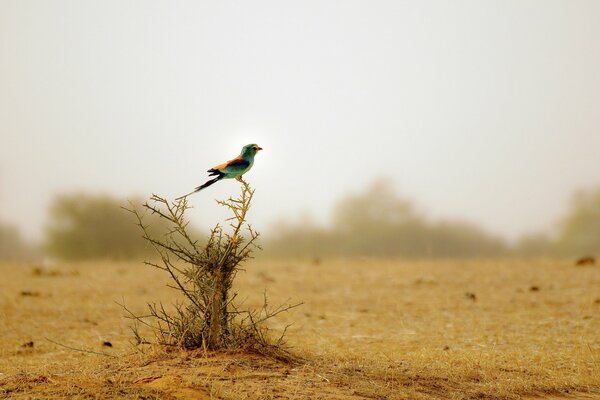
(368, 330)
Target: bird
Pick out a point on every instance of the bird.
(231, 169)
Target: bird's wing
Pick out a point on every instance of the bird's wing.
(236, 163)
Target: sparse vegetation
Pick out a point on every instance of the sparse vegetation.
(580, 229)
(369, 329)
(83, 227)
(376, 223)
(379, 223)
(535, 245)
(372, 328)
(203, 273)
(12, 245)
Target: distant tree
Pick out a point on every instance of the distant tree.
(460, 239)
(580, 229)
(535, 245)
(12, 245)
(300, 240)
(376, 206)
(87, 227)
(378, 223)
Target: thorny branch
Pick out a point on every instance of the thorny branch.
(203, 274)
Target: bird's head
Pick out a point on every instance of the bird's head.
(250, 150)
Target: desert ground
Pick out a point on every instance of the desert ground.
(368, 329)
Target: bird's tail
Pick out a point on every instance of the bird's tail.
(204, 185)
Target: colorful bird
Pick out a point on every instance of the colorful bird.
(231, 169)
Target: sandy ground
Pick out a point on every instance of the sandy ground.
(368, 329)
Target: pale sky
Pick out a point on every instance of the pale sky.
(488, 111)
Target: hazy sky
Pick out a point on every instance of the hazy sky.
(484, 110)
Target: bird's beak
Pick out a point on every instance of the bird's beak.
(259, 148)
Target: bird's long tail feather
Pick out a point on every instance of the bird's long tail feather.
(204, 185)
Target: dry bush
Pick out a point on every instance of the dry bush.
(203, 273)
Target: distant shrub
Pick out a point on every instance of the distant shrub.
(85, 226)
(580, 229)
(459, 239)
(12, 245)
(535, 245)
(379, 223)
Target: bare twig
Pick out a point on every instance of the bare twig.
(80, 350)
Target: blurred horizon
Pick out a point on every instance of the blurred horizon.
(375, 222)
(484, 112)
(212, 213)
